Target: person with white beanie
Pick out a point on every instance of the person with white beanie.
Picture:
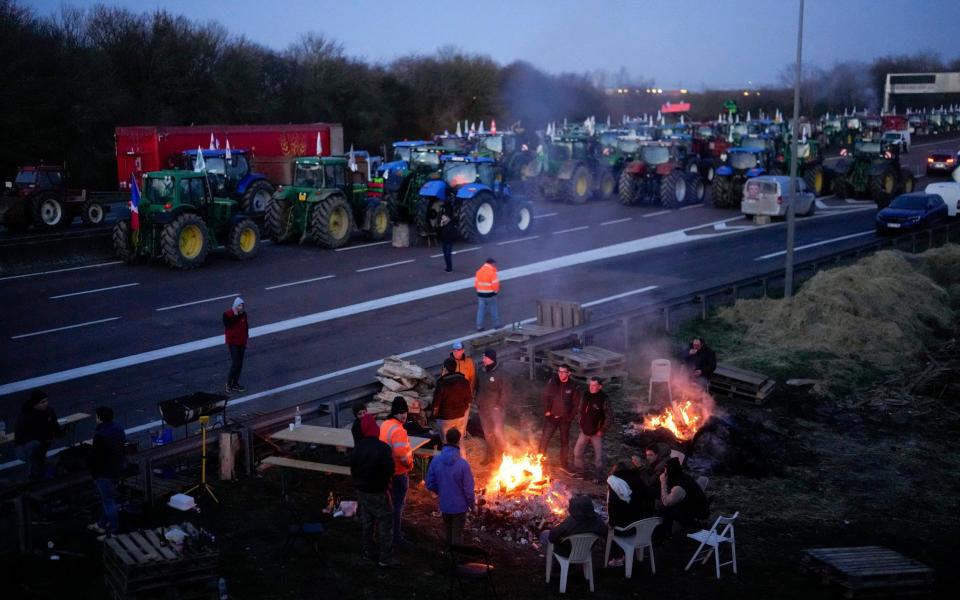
(236, 332)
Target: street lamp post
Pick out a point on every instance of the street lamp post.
(794, 133)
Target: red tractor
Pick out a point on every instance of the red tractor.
(658, 176)
(39, 196)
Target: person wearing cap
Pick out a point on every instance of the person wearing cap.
(371, 466)
(451, 399)
(487, 284)
(36, 427)
(394, 434)
(236, 332)
(464, 365)
(493, 394)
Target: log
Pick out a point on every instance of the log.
(229, 446)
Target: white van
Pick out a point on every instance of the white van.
(770, 195)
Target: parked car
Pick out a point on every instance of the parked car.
(912, 211)
(898, 138)
(949, 191)
(941, 161)
(770, 195)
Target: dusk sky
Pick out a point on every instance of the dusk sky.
(681, 43)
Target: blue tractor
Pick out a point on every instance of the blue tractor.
(740, 164)
(472, 189)
(232, 178)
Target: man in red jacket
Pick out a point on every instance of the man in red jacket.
(236, 332)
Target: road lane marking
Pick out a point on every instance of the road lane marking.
(523, 239)
(311, 280)
(195, 302)
(657, 214)
(26, 335)
(691, 206)
(619, 296)
(362, 246)
(96, 266)
(605, 223)
(473, 249)
(393, 264)
(572, 229)
(106, 289)
(545, 215)
(814, 245)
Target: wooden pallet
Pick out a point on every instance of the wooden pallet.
(586, 361)
(144, 565)
(525, 333)
(559, 314)
(870, 571)
(743, 384)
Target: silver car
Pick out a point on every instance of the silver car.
(770, 195)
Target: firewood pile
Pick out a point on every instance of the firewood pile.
(519, 518)
(938, 380)
(402, 378)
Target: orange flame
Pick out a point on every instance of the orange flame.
(682, 419)
(524, 476)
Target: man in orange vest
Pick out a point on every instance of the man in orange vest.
(393, 433)
(487, 284)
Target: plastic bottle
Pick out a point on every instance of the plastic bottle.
(297, 419)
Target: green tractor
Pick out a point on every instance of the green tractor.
(569, 168)
(180, 221)
(402, 185)
(809, 165)
(874, 170)
(325, 203)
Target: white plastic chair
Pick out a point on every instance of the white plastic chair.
(634, 544)
(659, 373)
(580, 553)
(713, 539)
(703, 481)
(678, 455)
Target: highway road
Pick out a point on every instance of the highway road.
(131, 336)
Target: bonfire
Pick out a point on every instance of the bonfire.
(688, 411)
(522, 482)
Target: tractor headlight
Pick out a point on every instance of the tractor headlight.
(723, 156)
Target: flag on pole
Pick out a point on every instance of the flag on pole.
(493, 126)
(200, 165)
(319, 145)
(459, 131)
(352, 162)
(228, 155)
(134, 204)
(213, 142)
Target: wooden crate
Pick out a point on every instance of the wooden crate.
(142, 565)
(870, 571)
(743, 384)
(559, 314)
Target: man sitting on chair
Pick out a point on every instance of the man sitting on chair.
(582, 519)
(681, 499)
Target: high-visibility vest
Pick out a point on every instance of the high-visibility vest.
(487, 281)
(395, 436)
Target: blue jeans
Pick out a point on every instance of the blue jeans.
(34, 453)
(398, 497)
(484, 305)
(110, 517)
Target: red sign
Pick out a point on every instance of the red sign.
(679, 107)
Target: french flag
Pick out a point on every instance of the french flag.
(134, 205)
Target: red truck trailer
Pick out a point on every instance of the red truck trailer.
(155, 147)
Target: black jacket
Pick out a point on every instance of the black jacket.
(371, 465)
(40, 425)
(705, 361)
(452, 396)
(107, 459)
(560, 399)
(448, 229)
(493, 389)
(594, 413)
(641, 503)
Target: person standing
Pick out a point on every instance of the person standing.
(447, 234)
(451, 479)
(465, 365)
(561, 397)
(493, 395)
(451, 399)
(487, 284)
(395, 435)
(36, 427)
(371, 466)
(107, 463)
(359, 409)
(594, 413)
(702, 361)
(236, 332)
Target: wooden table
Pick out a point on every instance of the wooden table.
(329, 436)
(66, 423)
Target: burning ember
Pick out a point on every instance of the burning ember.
(685, 415)
(523, 479)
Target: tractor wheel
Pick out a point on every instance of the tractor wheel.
(257, 197)
(123, 244)
(580, 186)
(695, 189)
(378, 222)
(520, 219)
(332, 222)
(842, 188)
(673, 190)
(907, 182)
(627, 189)
(883, 186)
(398, 214)
(608, 185)
(280, 226)
(50, 213)
(477, 218)
(721, 192)
(185, 242)
(815, 179)
(244, 240)
(711, 173)
(427, 218)
(92, 212)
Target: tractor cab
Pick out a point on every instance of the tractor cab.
(402, 150)
(757, 142)
(459, 171)
(166, 193)
(610, 138)
(498, 144)
(453, 143)
(225, 174)
(318, 173)
(749, 160)
(654, 155)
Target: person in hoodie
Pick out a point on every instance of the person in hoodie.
(107, 464)
(36, 427)
(451, 399)
(493, 395)
(629, 499)
(561, 399)
(582, 518)
(236, 332)
(451, 479)
(371, 466)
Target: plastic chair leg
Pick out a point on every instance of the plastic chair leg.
(628, 564)
(653, 562)
(694, 557)
(716, 560)
(606, 553)
(733, 548)
(588, 571)
(564, 571)
(549, 562)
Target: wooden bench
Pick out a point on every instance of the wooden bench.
(306, 465)
(426, 452)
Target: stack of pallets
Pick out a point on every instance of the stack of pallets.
(143, 565)
(740, 383)
(870, 571)
(590, 361)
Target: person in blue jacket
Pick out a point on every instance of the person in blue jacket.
(451, 479)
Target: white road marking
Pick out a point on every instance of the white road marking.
(545, 215)
(311, 280)
(691, 206)
(393, 264)
(362, 246)
(618, 296)
(657, 214)
(195, 302)
(106, 289)
(26, 335)
(581, 228)
(605, 223)
(473, 249)
(662, 240)
(814, 245)
(96, 266)
(523, 239)
(724, 226)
